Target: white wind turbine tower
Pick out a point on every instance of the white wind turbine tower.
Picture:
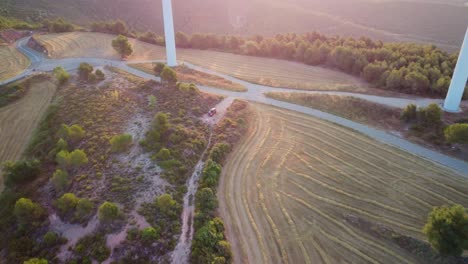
(459, 79)
(169, 33)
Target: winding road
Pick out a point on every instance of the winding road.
(255, 93)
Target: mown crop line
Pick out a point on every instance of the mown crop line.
(261, 197)
(244, 195)
(296, 234)
(390, 150)
(363, 212)
(370, 164)
(354, 179)
(390, 208)
(231, 209)
(347, 229)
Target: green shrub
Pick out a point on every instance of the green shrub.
(20, 172)
(93, 247)
(457, 133)
(165, 203)
(75, 158)
(121, 143)
(36, 261)
(108, 212)
(188, 88)
(431, 116)
(149, 235)
(66, 203)
(61, 145)
(206, 202)
(28, 212)
(133, 234)
(50, 238)
(62, 75)
(84, 208)
(409, 113)
(122, 46)
(209, 243)
(99, 75)
(219, 152)
(168, 75)
(73, 133)
(60, 180)
(84, 71)
(446, 229)
(211, 173)
(151, 101)
(158, 68)
(163, 154)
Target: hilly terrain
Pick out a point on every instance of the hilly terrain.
(439, 22)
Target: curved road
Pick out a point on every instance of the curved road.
(255, 93)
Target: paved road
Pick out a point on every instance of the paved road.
(256, 92)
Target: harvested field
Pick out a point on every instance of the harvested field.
(18, 120)
(188, 75)
(271, 72)
(297, 189)
(351, 108)
(12, 62)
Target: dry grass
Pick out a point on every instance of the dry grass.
(289, 187)
(18, 120)
(271, 72)
(352, 108)
(188, 75)
(12, 62)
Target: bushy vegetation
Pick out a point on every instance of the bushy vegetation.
(36, 261)
(61, 180)
(446, 229)
(28, 213)
(209, 244)
(158, 68)
(109, 212)
(74, 209)
(16, 90)
(72, 159)
(405, 67)
(20, 172)
(425, 122)
(58, 26)
(62, 75)
(120, 143)
(10, 22)
(122, 46)
(84, 71)
(163, 215)
(168, 76)
(74, 133)
(457, 133)
(118, 27)
(92, 247)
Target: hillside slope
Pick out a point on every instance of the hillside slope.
(441, 23)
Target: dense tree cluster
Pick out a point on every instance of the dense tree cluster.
(58, 26)
(446, 229)
(118, 27)
(404, 67)
(122, 46)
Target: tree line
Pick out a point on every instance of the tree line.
(404, 67)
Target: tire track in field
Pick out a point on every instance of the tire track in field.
(356, 210)
(261, 196)
(378, 168)
(397, 153)
(232, 205)
(347, 229)
(390, 208)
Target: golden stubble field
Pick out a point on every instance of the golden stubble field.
(19, 119)
(293, 188)
(271, 72)
(12, 62)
